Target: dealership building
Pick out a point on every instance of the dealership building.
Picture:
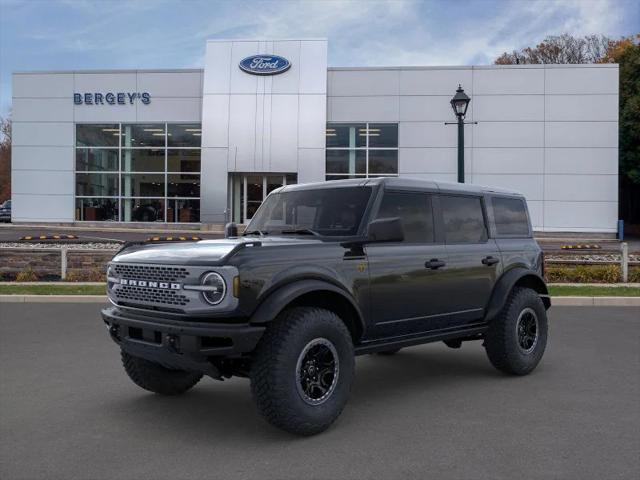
(207, 145)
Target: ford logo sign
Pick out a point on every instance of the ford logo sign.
(265, 64)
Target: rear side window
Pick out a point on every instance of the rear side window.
(510, 216)
(463, 219)
(414, 211)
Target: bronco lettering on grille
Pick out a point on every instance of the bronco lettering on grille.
(150, 284)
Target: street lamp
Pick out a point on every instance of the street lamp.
(460, 103)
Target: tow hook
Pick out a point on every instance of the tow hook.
(114, 331)
(172, 343)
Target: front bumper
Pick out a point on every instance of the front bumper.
(180, 344)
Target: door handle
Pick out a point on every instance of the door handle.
(434, 264)
(488, 261)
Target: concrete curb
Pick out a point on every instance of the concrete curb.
(555, 301)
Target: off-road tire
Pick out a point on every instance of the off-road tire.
(274, 370)
(501, 341)
(156, 378)
(387, 353)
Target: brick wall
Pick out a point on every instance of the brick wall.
(81, 265)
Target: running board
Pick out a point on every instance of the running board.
(436, 336)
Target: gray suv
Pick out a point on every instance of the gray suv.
(325, 272)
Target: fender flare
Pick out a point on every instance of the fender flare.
(505, 284)
(282, 296)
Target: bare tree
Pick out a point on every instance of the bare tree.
(5, 158)
(563, 48)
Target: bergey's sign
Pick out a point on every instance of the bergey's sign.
(265, 64)
(110, 98)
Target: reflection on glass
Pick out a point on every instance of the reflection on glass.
(254, 194)
(183, 185)
(143, 209)
(383, 161)
(143, 185)
(344, 177)
(273, 182)
(346, 161)
(184, 135)
(187, 161)
(96, 209)
(143, 160)
(346, 135)
(143, 135)
(102, 135)
(383, 135)
(96, 160)
(96, 184)
(183, 211)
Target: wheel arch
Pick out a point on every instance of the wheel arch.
(311, 292)
(516, 277)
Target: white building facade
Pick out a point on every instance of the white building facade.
(206, 146)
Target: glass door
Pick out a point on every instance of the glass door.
(248, 191)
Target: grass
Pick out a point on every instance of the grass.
(52, 289)
(593, 291)
(555, 291)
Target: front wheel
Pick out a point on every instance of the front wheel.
(302, 370)
(517, 337)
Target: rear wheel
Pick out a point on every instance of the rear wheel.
(302, 370)
(517, 337)
(156, 378)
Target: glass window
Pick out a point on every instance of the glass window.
(96, 185)
(510, 216)
(183, 185)
(463, 219)
(96, 160)
(183, 211)
(383, 135)
(184, 135)
(346, 136)
(143, 160)
(187, 161)
(96, 209)
(346, 161)
(143, 209)
(383, 161)
(414, 211)
(143, 185)
(102, 135)
(143, 135)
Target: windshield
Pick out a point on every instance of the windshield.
(333, 212)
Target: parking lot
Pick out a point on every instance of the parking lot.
(68, 411)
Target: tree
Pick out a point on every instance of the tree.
(560, 49)
(5, 159)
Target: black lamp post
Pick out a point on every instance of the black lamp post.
(460, 103)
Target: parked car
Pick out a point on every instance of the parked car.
(5, 211)
(325, 272)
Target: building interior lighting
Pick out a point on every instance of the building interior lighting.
(153, 129)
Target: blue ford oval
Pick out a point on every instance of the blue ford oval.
(265, 64)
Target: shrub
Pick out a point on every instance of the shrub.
(94, 275)
(27, 275)
(583, 273)
(634, 274)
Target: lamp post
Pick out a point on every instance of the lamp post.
(460, 103)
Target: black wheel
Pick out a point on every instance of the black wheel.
(393, 351)
(156, 378)
(302, 370)
(517, 337)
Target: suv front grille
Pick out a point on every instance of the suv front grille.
(132, 294)
(153, 273)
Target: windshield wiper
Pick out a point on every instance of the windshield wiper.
(255, 232)
(300, 231)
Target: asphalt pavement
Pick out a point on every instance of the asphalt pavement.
(68, 411)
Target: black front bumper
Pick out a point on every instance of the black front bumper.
(180, 344)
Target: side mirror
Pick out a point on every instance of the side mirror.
(385, 230)
(230, 230)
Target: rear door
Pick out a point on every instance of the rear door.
(474, 261)
(406, 287)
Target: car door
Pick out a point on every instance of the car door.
(473, 258)
(406, 291)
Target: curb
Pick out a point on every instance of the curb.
(555, 301)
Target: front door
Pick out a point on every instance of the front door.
(248, 191)
(406, 288)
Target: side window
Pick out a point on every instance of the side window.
(510, 216)
(414, 210)
(463, 219)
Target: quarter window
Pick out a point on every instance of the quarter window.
(361, 150)
(463, 219)
(510, 216)
(415, 213)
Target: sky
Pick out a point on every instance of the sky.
(109, 34)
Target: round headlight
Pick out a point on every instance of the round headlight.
(216, 288)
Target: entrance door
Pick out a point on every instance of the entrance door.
(248, 191)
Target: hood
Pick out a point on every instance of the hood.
(204, 252)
